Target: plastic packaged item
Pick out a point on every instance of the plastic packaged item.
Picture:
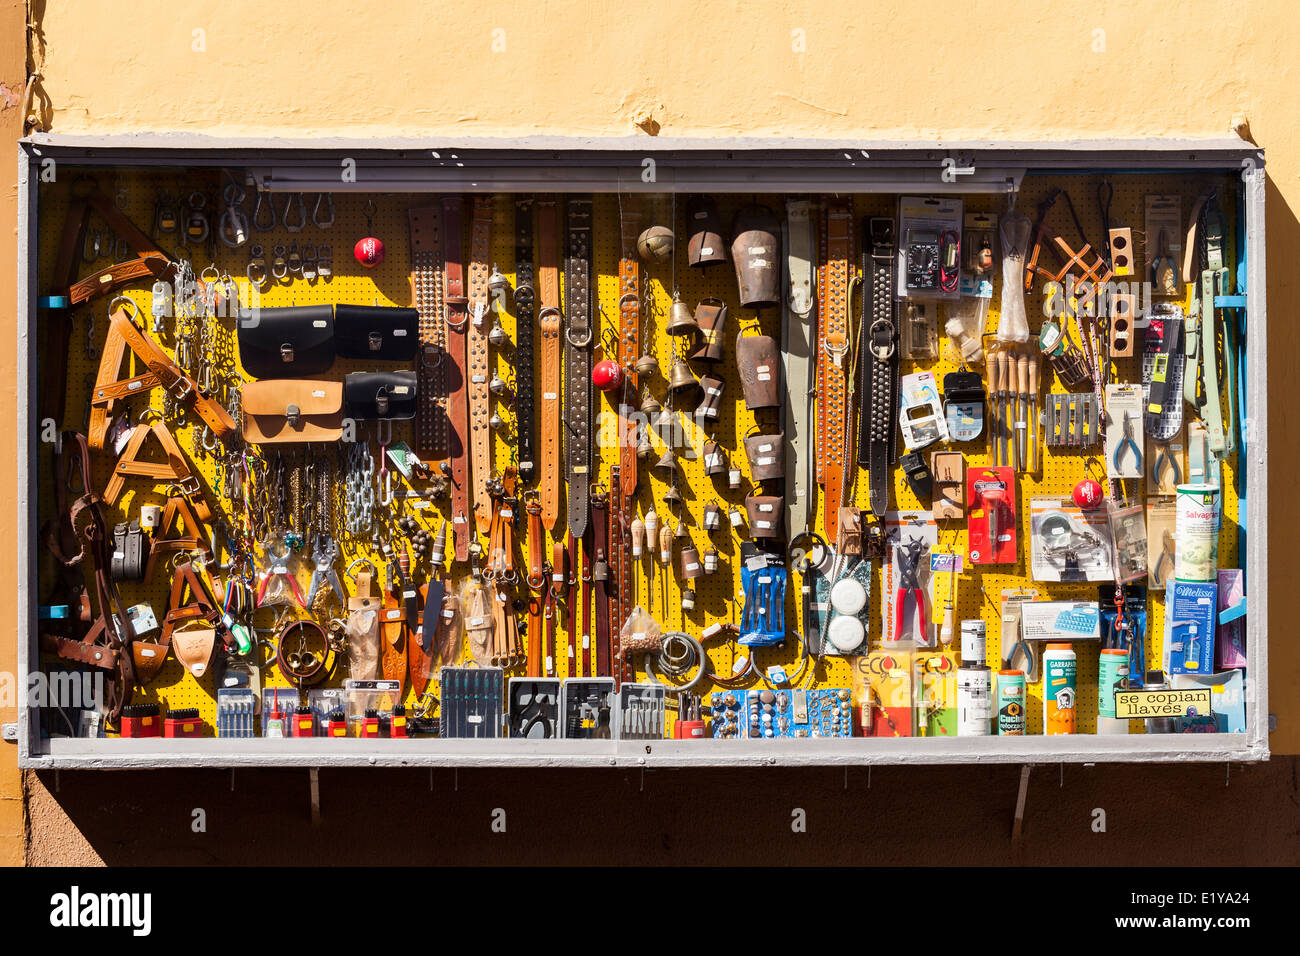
(476, 617)
(1068, 543)
(1013, 322)
(1128, 528)
(1200, 511)
(640, 634)
(920, 337)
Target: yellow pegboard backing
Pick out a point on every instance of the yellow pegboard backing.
(385, 216)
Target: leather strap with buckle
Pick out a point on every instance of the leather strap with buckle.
(833, 360)
(600, 575)
(549, 322)
(457, 305)
(477, 370)
(796, 350)
(175, 470)
(577, 338)
(878, 364)
(427, 292)
(525, 314)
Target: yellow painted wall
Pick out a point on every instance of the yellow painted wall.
(915, 69)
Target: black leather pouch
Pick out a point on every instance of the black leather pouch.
(380, 394)
(380, 333)
(287, 341)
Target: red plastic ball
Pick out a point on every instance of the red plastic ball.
(369, 251)
(1087, 494)
(607, 375)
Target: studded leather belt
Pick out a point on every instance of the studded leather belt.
(878, 364)
(549, 322)
(426, 289)
(623, 477)
(578, 336)
(525, 314)
(833, 360)
(480, 397)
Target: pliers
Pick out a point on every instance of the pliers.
(1166, 456)
(1127, 442)
(909, 561)
(323, 555)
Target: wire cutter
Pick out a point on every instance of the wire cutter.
(323, 556)
(1166, 456)
(909, 562)
(1128, 442)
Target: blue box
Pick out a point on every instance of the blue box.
(1190, 613)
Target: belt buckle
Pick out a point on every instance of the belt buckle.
(882, 237)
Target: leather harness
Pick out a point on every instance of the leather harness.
(78, 536)
(162, 371)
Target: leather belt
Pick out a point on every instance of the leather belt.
(878, 364)
(426, 287)
(480, 397)
(130, 548)
(601, 577)
(457, 306)
(623, 477)
(123, 334)
(577, 337)
(525, 314)
(548, 275)
(796, 349)
(1201, 386)
(833, 361)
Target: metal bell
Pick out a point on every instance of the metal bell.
(498, 385)
(688, 599)
(667, 461)
(646, 365)
(649, 404)
(710, 560)
(643, 447)
(496, 421)
(672, 497)
(712, 517)
(498, 336)
(498, 285)
(682, 379)
(681, 321)
(680, 531)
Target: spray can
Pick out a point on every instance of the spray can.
(1112, 668)
(1059, 668)
(1011, 703)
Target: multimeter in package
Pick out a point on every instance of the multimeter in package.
(929, 250)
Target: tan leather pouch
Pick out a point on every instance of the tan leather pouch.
(289, 411)
(193, 648)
